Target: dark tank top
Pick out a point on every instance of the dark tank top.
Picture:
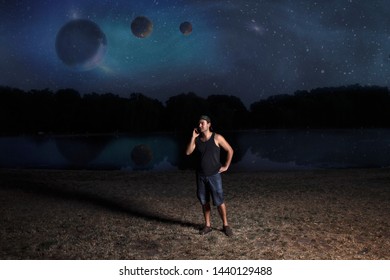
(209, 156)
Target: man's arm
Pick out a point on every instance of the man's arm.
(191, 145)
(220, 140)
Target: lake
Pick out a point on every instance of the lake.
(254, 150)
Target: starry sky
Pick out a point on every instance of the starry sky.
(250, 49)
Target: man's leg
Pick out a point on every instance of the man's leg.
(207, 214)
(204, 197)
(222, 213)
(217, 194)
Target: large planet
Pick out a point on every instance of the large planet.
(81, 44)
(186, 28)
(141, 27)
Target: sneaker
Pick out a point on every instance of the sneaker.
(205, 230)
(227, 230)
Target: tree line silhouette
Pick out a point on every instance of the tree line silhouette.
(67, 111)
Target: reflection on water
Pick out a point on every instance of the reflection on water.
(320, 148)
(254, 150)
(80, 152)
(139, 152)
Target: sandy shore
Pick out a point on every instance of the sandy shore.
(322, 214)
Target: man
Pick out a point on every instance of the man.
(207, 144)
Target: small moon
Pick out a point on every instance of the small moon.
(186, 28)
(141, 27)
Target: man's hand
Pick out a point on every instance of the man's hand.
(223, 169)
(191, 145)
(195, 133)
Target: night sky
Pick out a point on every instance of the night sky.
(251, 49)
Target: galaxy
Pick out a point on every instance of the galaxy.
(249, 49)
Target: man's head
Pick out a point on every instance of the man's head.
(204, 123)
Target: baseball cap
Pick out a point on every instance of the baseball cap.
(205, 117)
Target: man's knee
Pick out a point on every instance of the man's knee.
(206, 206)
(221, 205)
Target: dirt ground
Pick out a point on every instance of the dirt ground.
(318, 214)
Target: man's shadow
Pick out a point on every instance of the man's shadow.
(39, 188)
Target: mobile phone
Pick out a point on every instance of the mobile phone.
(197, 130)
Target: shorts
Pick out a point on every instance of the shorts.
(209, 186)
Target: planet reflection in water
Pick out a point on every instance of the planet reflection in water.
(81, 151)
(141, 155)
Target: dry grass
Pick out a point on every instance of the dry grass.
(323, 214)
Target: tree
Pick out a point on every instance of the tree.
(144, 114)
(183, 111)
(228, 112)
